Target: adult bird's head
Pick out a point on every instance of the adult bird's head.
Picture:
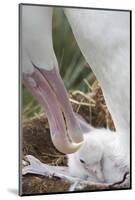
(41, 77)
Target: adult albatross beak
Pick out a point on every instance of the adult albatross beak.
(41, 76)
(47, 86)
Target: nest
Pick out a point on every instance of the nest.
(92, 107)
(36, 140)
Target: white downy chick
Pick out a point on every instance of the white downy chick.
(99, 159)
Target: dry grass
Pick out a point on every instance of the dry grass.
(92, 107)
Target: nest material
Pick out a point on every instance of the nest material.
(36, 140)
(92, 107)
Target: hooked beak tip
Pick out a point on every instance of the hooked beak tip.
(68, 148)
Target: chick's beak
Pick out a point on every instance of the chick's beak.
(48, 88)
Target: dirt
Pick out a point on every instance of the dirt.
(36, 141)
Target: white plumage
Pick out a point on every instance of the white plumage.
(98, 160)
(103, 37)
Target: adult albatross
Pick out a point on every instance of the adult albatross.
(41, 76)
(103, 37)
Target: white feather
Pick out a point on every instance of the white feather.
(103, 162)
(104, 39)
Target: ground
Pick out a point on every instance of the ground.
(36, 141)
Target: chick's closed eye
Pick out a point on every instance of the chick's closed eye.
(82, 161)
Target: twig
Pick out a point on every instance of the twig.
(52, 155)
(87, 83)
(81, 103)
(84, 95)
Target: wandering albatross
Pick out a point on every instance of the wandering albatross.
(41, 76)
(103, 37)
